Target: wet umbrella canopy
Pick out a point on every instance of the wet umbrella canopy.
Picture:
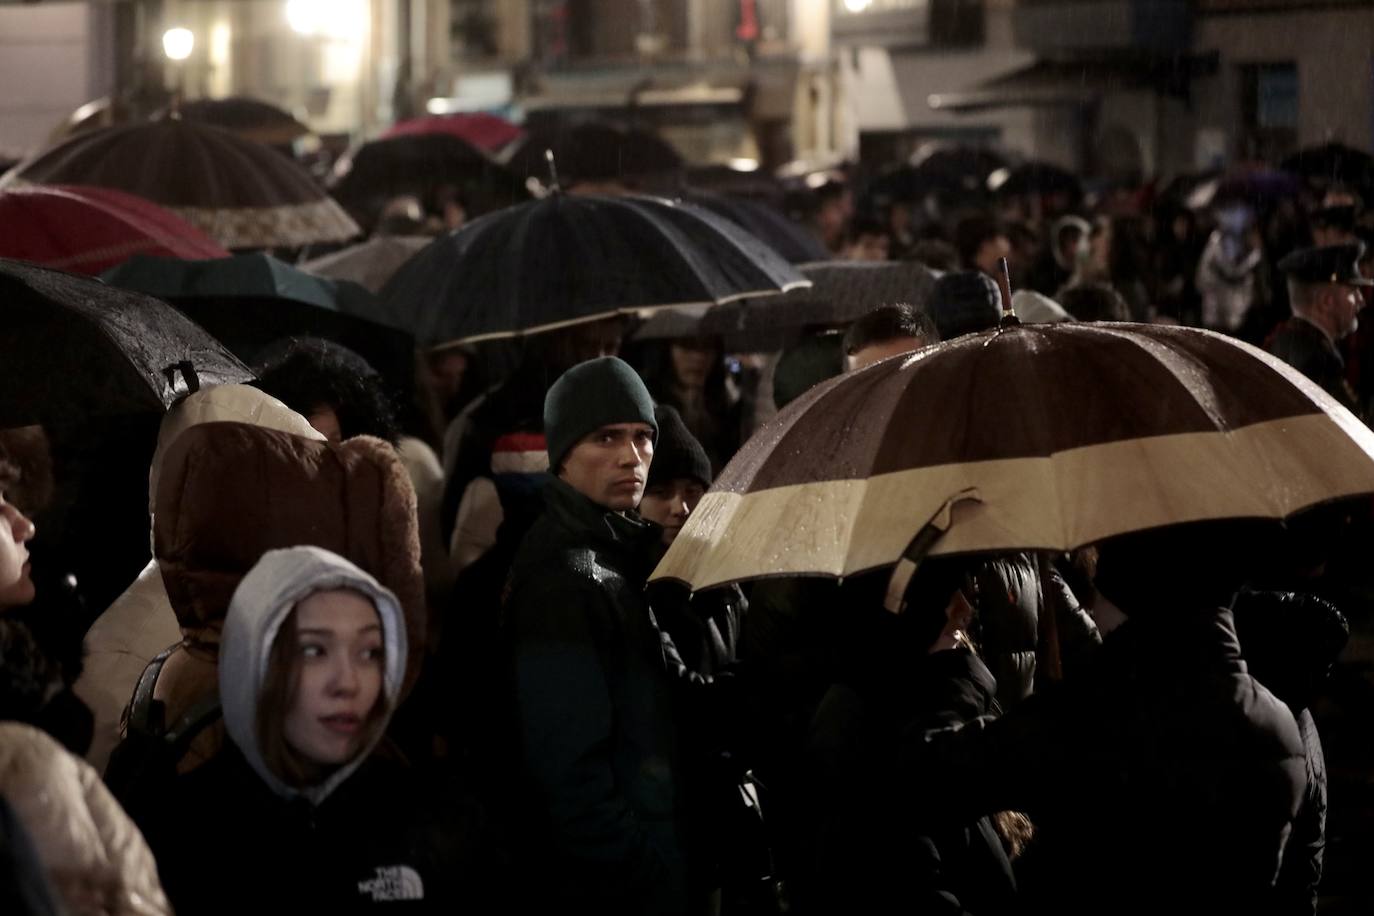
(1038, 436)
(251, 119)
(841, 292)
(793, 241)
(369, 264)
(482, 130)
(249, 301)
(421, 164)
(88, 230)
(566, 260)
(1333, 164)
(74, 347)
(240, 193)
(594, 152)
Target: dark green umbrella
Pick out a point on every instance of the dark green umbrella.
(74, 347)
(251, 300)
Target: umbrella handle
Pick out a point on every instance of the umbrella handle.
(921, 545)
(188, 372)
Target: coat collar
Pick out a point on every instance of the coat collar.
(604, 529)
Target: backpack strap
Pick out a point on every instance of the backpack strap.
(145, 714)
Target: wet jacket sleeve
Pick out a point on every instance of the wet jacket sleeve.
(1079, 638)
(566, 718)
(956, 742)
(1300, 874)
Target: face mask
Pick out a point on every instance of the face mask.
(1234, 220)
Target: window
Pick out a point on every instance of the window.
(1268, 110)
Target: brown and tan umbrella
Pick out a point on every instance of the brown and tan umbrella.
(240, 193)
(1031, 437)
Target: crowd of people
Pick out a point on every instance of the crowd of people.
(395, 649)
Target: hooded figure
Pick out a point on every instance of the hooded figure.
(141, 623)
(296, 806)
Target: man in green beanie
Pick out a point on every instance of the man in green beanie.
(591, 679)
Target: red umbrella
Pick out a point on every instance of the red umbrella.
(88, 230)
(484, 131)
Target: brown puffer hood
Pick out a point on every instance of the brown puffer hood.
(230, 492)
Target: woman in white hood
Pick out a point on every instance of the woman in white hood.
(296, 813)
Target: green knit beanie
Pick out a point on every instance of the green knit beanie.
(590, 395)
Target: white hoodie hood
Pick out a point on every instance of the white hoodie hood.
(260, 604)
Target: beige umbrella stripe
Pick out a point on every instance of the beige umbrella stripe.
(842, 527)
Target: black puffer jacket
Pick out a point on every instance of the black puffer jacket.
(1291, 640)
(1164, 773)
(1012, 615)
(592, 694)
(868, 856)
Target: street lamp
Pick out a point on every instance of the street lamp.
(178, 43)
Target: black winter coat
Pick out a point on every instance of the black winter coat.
(226, 844)
(867, 855)
(1305, 347)
(1165, 775)
(592, 695)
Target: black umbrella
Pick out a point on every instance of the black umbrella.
(1035, 179)
(74, 347)
(422, 164)
(249, 118)
(1333, 164)
(250, 301)
(957, 168)
(240, 193)
(570, 259)
(594, 152)
(841, 291)
(787, 237)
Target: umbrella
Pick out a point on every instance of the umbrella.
(1333, 164)
(251, 119)
(482, 130)
(751, 184)
(1035, 179)
(74, 347)
(788, 238)
(422, 164)
(594, 152)
(1259, 188)
(88, 230)
(569, 259)
(251, 300)
(1026, 437)
(956, 168)
(841, 291)
(369, 264)
(242, 194)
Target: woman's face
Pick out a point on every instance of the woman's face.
(692, 363)
(16, 588)
(341, 659)
(670, 504)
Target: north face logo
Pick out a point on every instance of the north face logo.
(394, 882)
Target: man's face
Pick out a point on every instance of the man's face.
(867, 356)
(609, 466)
(446, 373)
(583, 342)
(669, 504)
(1344, 304)
(990, 252)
